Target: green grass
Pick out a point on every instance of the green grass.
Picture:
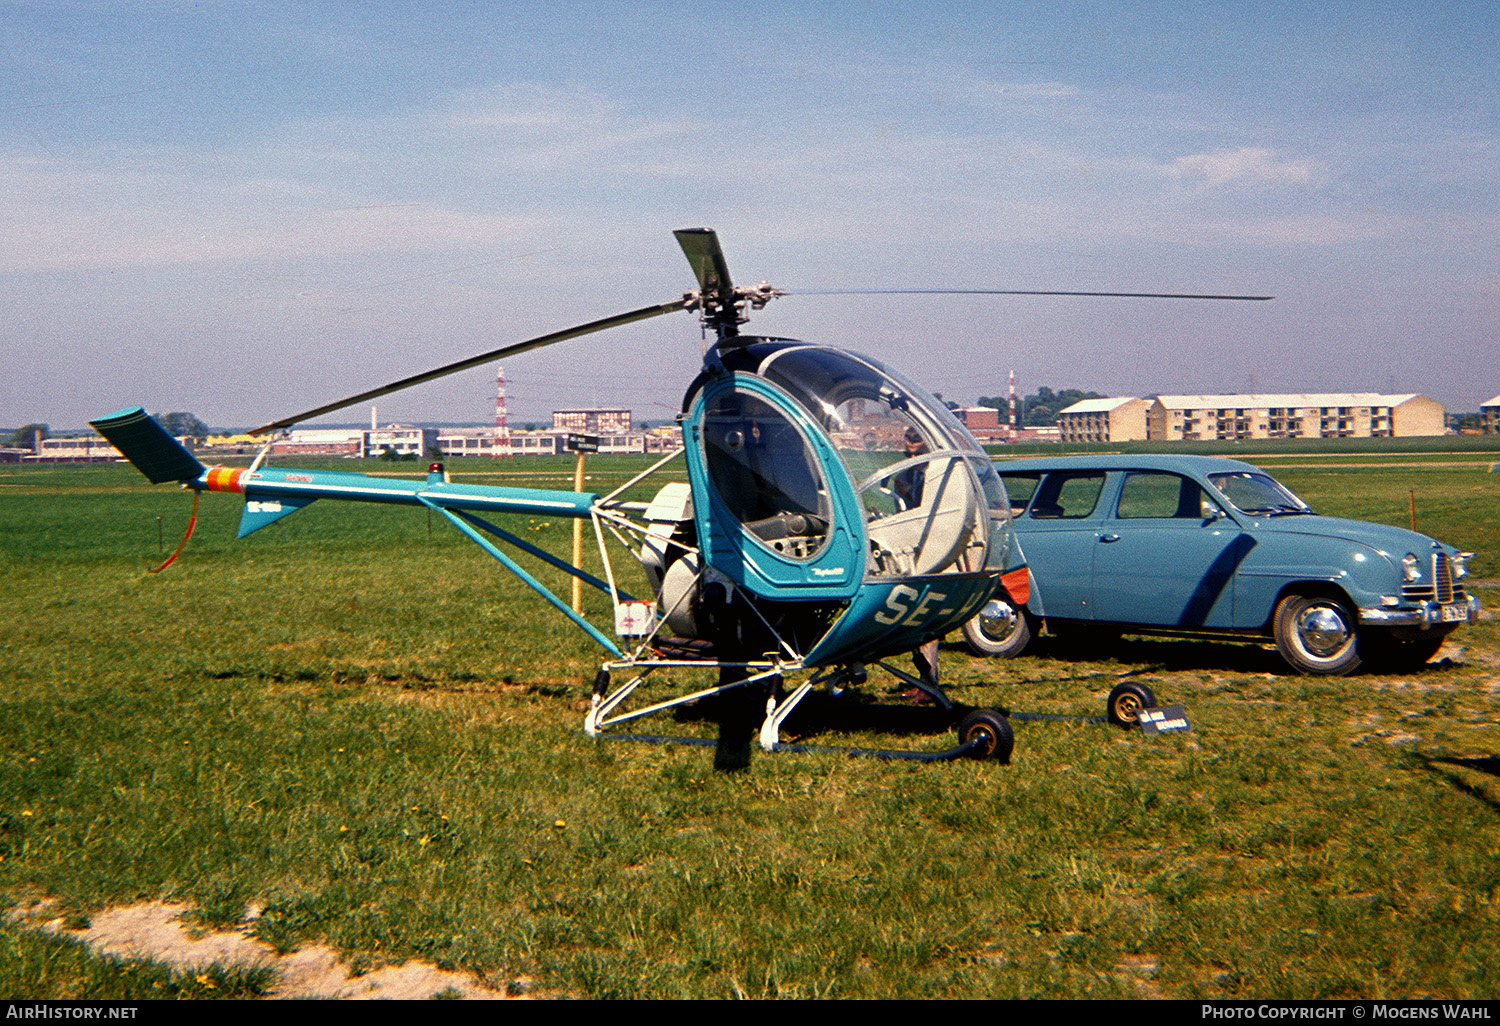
(35, 964)
(373, 734)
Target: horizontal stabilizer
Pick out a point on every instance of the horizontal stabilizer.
(146, 444)
(260, 512)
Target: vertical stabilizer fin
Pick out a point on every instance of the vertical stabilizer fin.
(146, 444)
(260, 512)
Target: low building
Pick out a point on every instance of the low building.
(320, 442)
(401, 439)
(1118, 419)
(592, 421)
(985, 423)
(481, 442)
(80, 449)
(1489, 417)
(472, 442)
(1313, 415)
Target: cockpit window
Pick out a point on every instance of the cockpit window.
(932, 500)
(766, 473)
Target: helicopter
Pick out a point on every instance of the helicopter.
(835, 516)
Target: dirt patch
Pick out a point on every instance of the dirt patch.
(154, 930)
(1140, 971)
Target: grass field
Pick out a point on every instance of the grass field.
(355, 723)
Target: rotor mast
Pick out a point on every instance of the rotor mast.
(720, 303)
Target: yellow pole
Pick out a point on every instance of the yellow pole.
(578, 537)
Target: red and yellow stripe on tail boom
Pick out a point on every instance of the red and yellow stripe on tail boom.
(225, 479)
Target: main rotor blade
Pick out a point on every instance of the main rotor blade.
(701, 247)
(1011, 292)
(474, 361)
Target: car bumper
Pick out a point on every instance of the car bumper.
(1428, 614)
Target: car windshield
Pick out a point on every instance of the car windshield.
(1258, 494)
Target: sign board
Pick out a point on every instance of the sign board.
(1165, 720)
(581, 443)
(634, 619)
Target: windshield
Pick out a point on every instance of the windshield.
(1257, 494)
(909, 460)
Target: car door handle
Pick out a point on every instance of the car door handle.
(1107, 538)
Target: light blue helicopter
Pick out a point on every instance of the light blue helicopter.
(835, 516)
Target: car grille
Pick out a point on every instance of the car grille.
(1442, 588)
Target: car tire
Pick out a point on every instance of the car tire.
(994, 640)
(1385, 652)
(1127, 701)
(993, 732)
(1317, 635)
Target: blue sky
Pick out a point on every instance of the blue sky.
(247, 209)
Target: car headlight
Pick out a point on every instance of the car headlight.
(1459, 564)
(1411, 567)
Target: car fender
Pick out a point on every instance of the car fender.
(1034, 603)
(1361, 576)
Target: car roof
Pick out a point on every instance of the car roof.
(1199, 465)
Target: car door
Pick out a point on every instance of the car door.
(1058, 535)
(1166, 555)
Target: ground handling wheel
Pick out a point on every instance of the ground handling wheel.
(992, 732)
(1126, 702)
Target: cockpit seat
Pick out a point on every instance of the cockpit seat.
(929, 537)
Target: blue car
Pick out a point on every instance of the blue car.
(1203, 546)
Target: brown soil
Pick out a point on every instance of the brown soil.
(154, 930)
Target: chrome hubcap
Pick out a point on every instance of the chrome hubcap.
(997, 620)
(1322, 630)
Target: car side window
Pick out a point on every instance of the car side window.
(1067, 496)
(1149, 494)
(1019, 489)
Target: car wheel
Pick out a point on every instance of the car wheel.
(1127, 701)
(999, 630)
(992, 731)
(1316, 635)
(1385, 652)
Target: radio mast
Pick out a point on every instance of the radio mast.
(502, 428)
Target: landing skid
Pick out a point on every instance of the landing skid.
(973, 749)
(983, 733)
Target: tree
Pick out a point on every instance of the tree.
(1040, 409)
(183, 425)
(29, 437)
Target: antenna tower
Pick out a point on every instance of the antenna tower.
(502, 428)
(1013, 426)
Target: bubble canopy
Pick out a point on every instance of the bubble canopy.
(927, 492)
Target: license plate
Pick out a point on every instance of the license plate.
(1457, 612)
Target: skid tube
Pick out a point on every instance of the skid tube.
(983, 733)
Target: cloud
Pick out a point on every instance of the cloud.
(1244, 166)
(530, 106)
(988, 90)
